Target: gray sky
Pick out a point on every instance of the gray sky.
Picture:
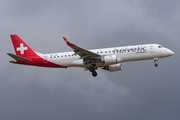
(140, 91)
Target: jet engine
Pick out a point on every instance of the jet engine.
(115, 67)
(111, 59)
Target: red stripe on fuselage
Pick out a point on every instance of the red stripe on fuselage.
(40, 62)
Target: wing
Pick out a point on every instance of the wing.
(84, 54)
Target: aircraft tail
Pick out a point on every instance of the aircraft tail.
(21, 48)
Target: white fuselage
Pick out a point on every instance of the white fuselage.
(125, 54)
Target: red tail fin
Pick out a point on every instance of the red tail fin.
(21, 48)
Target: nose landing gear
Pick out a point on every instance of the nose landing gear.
(156, 65)
(155, 62)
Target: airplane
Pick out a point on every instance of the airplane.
(109, 59)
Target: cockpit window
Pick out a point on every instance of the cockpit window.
(159, 46)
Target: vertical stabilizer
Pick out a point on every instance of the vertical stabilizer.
(21, 48)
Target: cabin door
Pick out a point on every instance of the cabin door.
(152, 49)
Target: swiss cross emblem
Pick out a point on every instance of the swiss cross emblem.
(21, 48)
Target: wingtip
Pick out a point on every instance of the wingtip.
(67, 42)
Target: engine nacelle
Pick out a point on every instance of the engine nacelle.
(115, 67)
(111, 59)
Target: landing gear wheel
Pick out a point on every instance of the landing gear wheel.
(155, 64)
(94, 73)
(91, 69)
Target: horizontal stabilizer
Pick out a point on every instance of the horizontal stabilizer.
(18, 58)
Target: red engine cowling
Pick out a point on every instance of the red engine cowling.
(115, 67)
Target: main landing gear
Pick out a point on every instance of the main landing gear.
(92, 69)
(155, 62)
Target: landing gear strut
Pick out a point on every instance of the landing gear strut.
(155, 62)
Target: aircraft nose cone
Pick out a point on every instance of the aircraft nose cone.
(171, 52)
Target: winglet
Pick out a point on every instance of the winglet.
(67, 42)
